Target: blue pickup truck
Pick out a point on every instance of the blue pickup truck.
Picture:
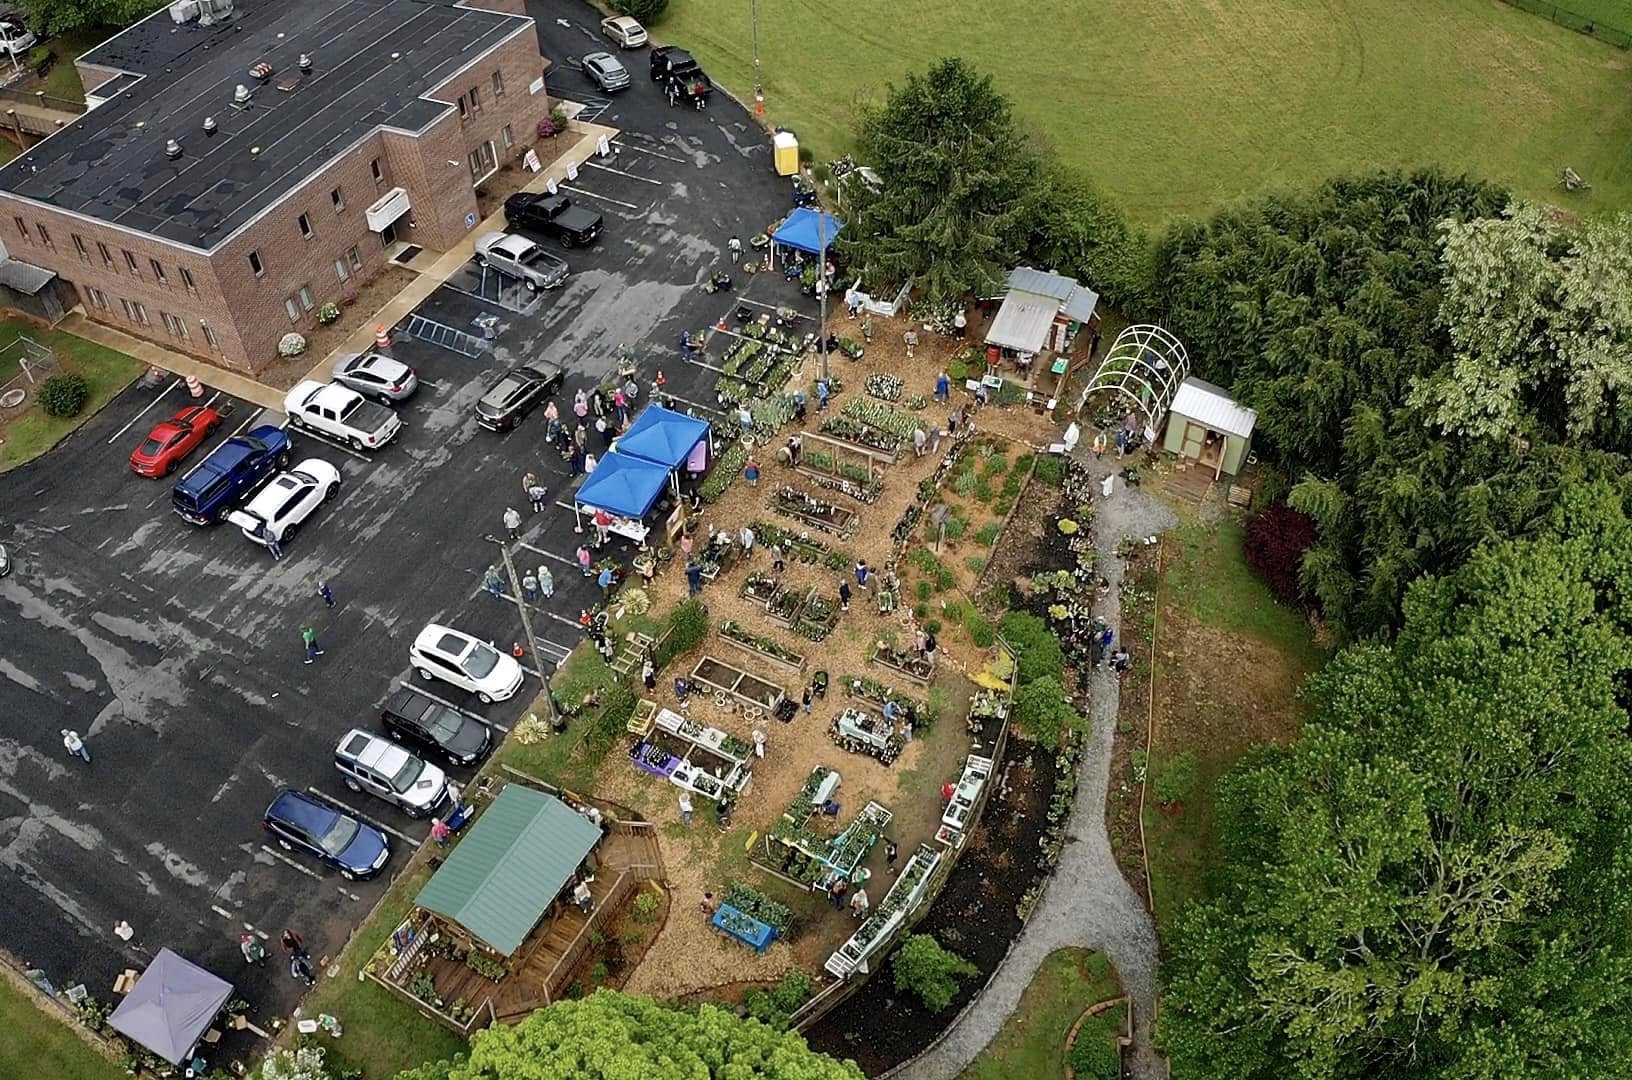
(233, 470)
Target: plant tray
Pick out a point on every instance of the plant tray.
(640, 722)
(918, 670)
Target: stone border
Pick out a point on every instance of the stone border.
(1095, 1010)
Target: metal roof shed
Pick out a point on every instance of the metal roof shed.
(1207, 424)
(503, 877)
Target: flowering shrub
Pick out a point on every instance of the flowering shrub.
(291, 344)
(1276, 538)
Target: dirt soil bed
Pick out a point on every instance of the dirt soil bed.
(975, 915)
(285, 372)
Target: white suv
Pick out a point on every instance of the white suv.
(441, 652)
(277, 509)
(380, 767)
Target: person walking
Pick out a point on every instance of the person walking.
(920, 440)
(943, 388)
(777, 563)
(300, 967)
(861, 573)
(648, 675)
(293, 943)
(512, 522)
(734, 246)
(528, 482)
(685, 807)
(326, 593)
(529, 586)
(537, 494)
(604, 580)
(746, 536)
(750, 472)
(859, 904)
(584, 559)
(694, 579)
(309, 636)
(493, 583)
(546, 582)
(867, 328)
(935, 436)
(960, 325)
(75, 746)
(440, 832)
(911, 340)
(821, 395)
(844, 595)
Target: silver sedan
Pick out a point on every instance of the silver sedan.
(376, 376)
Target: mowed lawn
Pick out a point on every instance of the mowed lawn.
(1177, 106)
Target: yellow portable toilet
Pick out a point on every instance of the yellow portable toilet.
(785, 152)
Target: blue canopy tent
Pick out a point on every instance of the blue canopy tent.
(663, 437)
(808, 230)
(622, 485)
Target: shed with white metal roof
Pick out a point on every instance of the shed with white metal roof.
(1205, 423)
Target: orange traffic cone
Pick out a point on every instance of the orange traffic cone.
(382, 340)
(516, 650)
(721, 324)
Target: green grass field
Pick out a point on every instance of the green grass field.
(1032, 1040)
(40, 1043)
(1611, 13)
(108, 372)
(1177, 106)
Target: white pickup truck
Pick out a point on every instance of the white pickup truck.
(341, 414)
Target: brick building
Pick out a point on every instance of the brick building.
(213, 205)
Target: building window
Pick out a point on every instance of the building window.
(188, 282)
(498, 84)
(209, 335)
(475, 99)
(22, 227)
(483, 162)
(45, 237)
(509, 139)
(130, 262)
(306, 297)
(338, 198)
(107, 256)
(79, 246)
(173, 325)
(134, 311)
(306, 226)
(158, 271)
(292, 308)
(464, 114)
(374, 167)
(340, 270)
(355, 259)
(256, 265)
(98, 297)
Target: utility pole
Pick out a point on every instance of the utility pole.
(822, 284)
(759, 87)
(527, 628)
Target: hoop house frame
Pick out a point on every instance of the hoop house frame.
(1144, 367)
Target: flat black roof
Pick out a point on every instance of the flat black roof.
(111, 164)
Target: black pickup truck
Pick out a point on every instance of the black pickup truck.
(681, 77)
(555, 215)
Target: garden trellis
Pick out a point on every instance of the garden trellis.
(1143, 368)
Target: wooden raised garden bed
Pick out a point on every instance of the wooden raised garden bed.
(640, 721)
(760, 588)
(728, 679)
(814, 511)
(819, 617)
(760, 648)
(905, 663)
(854, 435)
(785, 608)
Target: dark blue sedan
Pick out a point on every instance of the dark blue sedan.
(302, 823)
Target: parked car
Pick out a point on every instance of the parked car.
(377, 376)
(522, 259)
(623, 31)
(553, 215)
(5, 561)
(231, 472)
(341, 414)
(423, 724)
(299, 822)
(279, 508)
(375, 764)
(680, 76)
(606, 71)
(173, 439)
(441, 652)
(15, 38)
(515, 394)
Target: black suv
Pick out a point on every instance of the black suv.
(515, 394)
(418, 722)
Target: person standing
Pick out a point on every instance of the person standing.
(300, 967)
(529, 586)
(685, 807)
(929, 646)
(750, 472)
(943, 388)
(584, 560)
(920, 440)
(580, 404)
(867, 328)
(935, 436)
(890, 854)
(648, 675)
(589, 463)
(686, 543)
(844, 595)
(577, 460)
(604, 430)
(861, 573)
(326, 593)
(694, 579)
(537, 494)
(734, 246)
(604, 580)
(746, 536)
(512, 522)
(821, 395)
(960, 325)
(745, 420)
(840, 887)
(759, 743)
(492, 582)
(75, 746)
(546, 582)
(603, 522)
(309, 636)
(293, 943)
(911, 340)
(551, 412)
(440, 832)
(528, 482)
(796, 447)
(805, 702)
(620, 404)
(777, 563)
(859, 904)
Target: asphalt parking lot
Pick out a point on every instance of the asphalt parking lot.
(176, 651)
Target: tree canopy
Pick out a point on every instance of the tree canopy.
(615, 1036)
(50, 17)
(1432, 880)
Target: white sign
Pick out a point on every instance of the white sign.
(536, 86)
(603, 147)
(470, 221)
(549, 185)
(530, 161)
(572, 170)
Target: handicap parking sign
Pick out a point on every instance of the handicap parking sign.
(470, 221)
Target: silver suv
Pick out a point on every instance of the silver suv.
(380, 767)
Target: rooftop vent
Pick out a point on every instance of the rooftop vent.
(305, 62)
(209, 125)
(261, 70)
(172, 149)
(240, 94)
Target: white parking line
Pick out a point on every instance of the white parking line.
(620, 172)
(643, 150)
(348, 808)
(306, 432)
(248, 420)
(549, 554)
(292, 864)
(224, 913)
(416, 688)
(595, 195)
(160, 396)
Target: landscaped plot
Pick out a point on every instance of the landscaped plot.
(1175, 107)
(1229, 660)
(1032, 1042)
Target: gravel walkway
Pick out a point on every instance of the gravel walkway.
(1088, 903)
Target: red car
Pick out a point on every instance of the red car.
(173, 440)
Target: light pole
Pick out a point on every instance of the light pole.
(821, 286)
(759, 87)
